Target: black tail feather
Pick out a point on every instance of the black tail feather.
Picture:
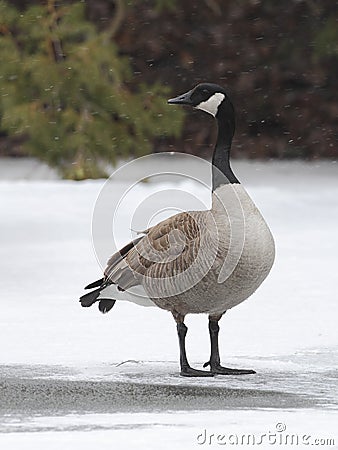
(90, 298)
(95, 284)
(106, 305)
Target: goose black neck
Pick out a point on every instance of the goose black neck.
(221, 169)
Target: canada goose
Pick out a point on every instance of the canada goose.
(198, 261)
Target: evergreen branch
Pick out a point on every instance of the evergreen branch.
(119, 16)
(55, 42)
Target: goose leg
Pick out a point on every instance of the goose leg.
(186, 370)
(214, 362)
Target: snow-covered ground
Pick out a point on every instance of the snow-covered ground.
(72, 377)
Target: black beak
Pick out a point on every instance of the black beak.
(184, 99)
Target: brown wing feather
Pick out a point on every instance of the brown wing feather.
(167, 249)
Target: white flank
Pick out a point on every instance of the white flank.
(212, 104)
(136, 295)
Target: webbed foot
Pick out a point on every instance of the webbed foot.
(220, 370)
(190, 372)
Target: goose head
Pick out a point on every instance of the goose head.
(213, 99)
(205, 96)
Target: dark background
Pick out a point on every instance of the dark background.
(277, 59)
(271, 55)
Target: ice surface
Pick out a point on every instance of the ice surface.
(62, 381)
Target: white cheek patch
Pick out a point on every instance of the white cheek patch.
(211, 105)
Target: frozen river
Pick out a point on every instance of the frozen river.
(71, 377)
